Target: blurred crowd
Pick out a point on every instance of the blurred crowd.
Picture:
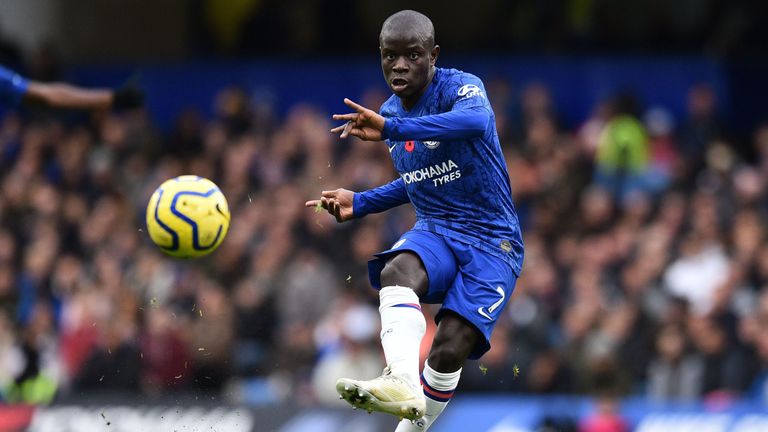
(645, 270)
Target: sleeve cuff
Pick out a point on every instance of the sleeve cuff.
(358, 205)
(386, 132)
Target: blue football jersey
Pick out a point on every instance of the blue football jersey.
(12, 87)
(451, 167)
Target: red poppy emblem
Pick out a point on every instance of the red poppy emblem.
(409, 146)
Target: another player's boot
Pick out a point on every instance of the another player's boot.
(389, 393)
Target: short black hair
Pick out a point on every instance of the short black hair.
(410, 21)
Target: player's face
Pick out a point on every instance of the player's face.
(408, 65)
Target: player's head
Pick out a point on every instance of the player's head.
(408, 53)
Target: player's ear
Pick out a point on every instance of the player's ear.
(433, 54)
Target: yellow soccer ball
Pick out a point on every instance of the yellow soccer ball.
(187, 217)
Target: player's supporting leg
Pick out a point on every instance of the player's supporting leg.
(454, 340)
(397, 391)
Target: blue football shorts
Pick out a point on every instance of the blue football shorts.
(466, 280)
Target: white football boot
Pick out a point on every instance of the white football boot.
(389, 393)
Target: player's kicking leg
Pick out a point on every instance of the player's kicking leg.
(389, 393)
(398, 390)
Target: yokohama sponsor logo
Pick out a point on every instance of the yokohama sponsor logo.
(439, 173)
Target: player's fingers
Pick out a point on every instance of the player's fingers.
(358, 132)
(346, 117)
(354, 105)
(328, 194)
(332, 207)
(338, 129)
(311, 203)
(347, 129)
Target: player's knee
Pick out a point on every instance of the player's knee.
(447, 353)
(405, 270)
(454, 341)
(446, 357)
(392, 275)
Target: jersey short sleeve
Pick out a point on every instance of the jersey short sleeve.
(13, 87)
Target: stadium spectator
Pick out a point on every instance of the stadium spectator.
(346, 341)
(623, 155)
(756, 327)
(674, 373)
(163, 352)
(702, 127)
(605, 418)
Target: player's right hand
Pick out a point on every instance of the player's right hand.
(337, 202)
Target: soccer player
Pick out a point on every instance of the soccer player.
(465, 250)
(16, 90)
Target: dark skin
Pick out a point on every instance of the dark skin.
(408, 63)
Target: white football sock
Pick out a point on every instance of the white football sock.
(402, 327)
(438, 389)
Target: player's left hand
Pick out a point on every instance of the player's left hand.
(365, 124)
(337, 202)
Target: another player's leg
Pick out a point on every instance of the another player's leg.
(397, 391)
(454, 340)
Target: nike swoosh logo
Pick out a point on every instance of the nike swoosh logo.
(481, 310)
(392, 148)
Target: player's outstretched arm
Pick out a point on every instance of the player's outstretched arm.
(345, 205)
(457, 124)
(461, 122)
(337, 202)
(470, 116)
(63, 95)
(381, 198)
(365, 124)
